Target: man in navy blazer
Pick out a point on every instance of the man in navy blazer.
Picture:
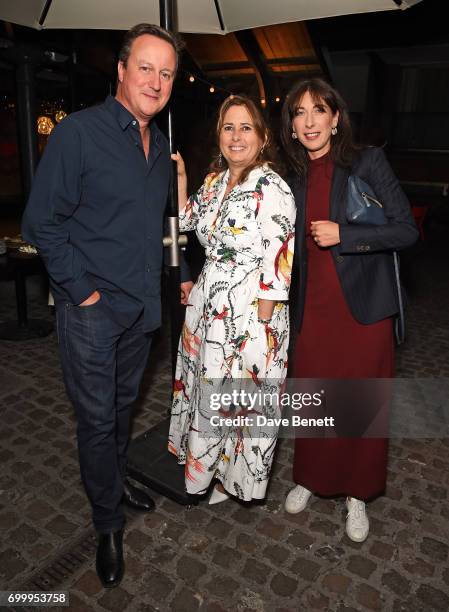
(95, 215)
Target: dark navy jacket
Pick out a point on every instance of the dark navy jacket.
(363, 259)
(95, 213)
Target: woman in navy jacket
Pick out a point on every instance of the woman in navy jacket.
(343, 294)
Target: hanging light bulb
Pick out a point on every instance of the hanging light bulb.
(278, 99)
(59, 115)
(212, 89)
(262, 101)
(191, 78)
(45, 125)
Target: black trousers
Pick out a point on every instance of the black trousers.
(102, 365)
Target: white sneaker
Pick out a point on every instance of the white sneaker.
(357, 523)
(297, 499)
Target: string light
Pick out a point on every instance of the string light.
(262, 101)
(212, 86)
(278, 99)
(50, 108)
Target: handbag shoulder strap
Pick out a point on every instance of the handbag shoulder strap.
(400, 320)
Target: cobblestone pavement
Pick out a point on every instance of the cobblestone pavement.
(224, 557)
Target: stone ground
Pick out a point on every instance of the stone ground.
(224, 557)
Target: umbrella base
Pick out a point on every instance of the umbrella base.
(150, 463)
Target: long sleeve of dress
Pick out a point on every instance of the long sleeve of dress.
(276, 221)
(188, 217)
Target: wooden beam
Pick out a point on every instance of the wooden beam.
(267, 81)
(270, 64)
(218, 66)
(300, 61)
(250, 47)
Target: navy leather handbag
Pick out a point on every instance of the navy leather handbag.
(363, 207)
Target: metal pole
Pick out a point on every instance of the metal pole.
(26, 119)
(167, 21)
(166, 14)
(21, 297)
(149, 462)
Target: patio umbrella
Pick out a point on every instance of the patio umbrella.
(197, 16)
(148, 460)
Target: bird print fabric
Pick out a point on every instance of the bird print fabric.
(248, 238)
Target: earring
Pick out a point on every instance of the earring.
(333, 131)
(294, 136)
(220, 160)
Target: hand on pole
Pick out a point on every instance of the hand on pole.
(182, 180)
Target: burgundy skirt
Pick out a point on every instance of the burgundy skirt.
(333, 345)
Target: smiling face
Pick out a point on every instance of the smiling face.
(240, 143)
(313, 121)
(145, 83)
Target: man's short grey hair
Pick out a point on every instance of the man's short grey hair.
(153, 30)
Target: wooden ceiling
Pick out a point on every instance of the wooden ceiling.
(282, 50)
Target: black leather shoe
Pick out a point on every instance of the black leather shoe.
(110, 566)
(136, 498)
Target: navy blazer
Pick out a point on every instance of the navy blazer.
(363, 258)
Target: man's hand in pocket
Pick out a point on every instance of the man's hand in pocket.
(91, 300)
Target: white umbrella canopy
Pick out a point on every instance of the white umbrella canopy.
(196, 16)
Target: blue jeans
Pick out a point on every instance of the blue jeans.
(102, 365)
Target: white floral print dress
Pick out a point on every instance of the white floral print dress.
(248, 238)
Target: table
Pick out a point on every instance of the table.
(16, 266)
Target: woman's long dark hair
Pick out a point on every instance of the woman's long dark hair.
(266, 156)
(343, 149)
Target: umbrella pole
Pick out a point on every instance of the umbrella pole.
(166, 15)
(149, 461)
(167, 21)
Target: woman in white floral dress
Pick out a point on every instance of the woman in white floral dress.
(237, 326)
